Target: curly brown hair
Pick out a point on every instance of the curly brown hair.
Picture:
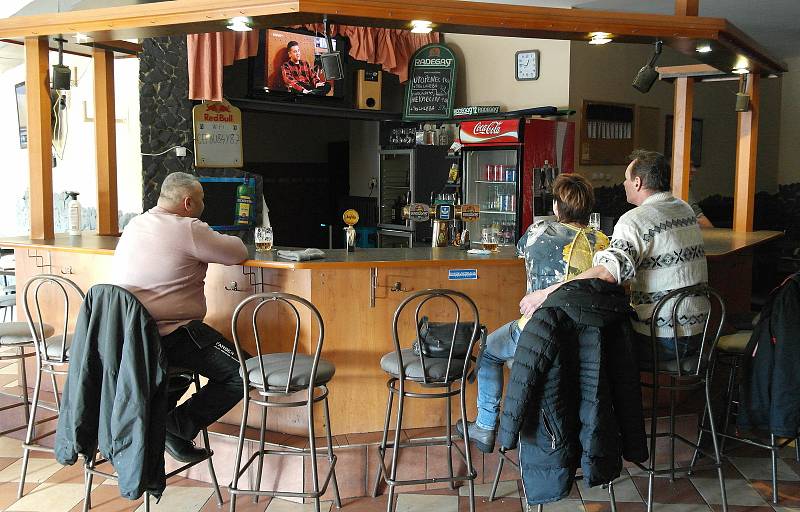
(574, 197)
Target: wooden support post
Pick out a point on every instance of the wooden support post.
(682, 137)
(106, 142)
(687, 7)
(40, 136)
(746, 151)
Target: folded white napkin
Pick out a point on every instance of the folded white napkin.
(304, 255)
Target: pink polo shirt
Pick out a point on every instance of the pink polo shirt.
(162, 258)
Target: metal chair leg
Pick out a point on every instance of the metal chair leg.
(496, 478)
(449, 433)
(382, 446)
(672, 435)
(331, 458)
(715, 441)
(612, 497)
(259, 471)
(23, 377)
(773, 452)
(312, 446)
(396, 449)
(234, 485)
(29, 433)
(88, 477)
(467, 451)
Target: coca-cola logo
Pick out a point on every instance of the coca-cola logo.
(491, 128)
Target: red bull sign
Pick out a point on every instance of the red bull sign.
(490, 132)
(217, 134)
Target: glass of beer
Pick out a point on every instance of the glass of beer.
(594, 221)
(263, 238)
(489, 239)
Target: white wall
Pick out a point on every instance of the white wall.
(77, 169)
(486, 73)
(789, 158)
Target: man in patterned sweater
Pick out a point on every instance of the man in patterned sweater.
(656, 247)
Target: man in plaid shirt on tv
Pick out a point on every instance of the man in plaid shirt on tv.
(300, 77)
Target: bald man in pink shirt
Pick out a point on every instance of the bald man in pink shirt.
(162, 258)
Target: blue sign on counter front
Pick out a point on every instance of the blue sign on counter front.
(459, 274)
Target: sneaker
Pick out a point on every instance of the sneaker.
(182, 450)
(483, 438)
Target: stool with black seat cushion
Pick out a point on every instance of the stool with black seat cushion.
(443, 376)
(51, 348)
(296, 380)
(17, 335)
(690, 373)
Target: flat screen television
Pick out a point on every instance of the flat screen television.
(290, 63)
(220, 200)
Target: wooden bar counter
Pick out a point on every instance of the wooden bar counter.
(357, 294)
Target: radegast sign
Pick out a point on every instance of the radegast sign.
(431, 86)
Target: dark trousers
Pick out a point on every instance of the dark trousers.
(201, 349)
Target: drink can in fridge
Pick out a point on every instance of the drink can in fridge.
(498, 172)
(505, 204)
(512, 202)
(488, 172)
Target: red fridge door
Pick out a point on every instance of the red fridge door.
(544, 139)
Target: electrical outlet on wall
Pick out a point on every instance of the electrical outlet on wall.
(372, 183)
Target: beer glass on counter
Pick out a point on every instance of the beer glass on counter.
(594, 221)
(263, 238)
(489, 239)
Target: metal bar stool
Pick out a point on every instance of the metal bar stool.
(284, 375)
(52, 352)
(445, 376)
(691, 373)
(175, 375)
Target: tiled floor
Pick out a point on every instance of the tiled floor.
(51, 487)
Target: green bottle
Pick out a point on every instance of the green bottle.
(244, 202)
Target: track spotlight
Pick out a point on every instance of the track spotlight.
(648, 75)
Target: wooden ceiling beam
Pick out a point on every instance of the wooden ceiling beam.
(683, 33)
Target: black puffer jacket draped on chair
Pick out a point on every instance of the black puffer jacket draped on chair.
(574, 396)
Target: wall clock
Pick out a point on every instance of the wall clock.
(527, 64)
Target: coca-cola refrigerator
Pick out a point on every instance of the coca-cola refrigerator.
(499, 158)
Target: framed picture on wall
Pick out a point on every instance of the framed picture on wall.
(697, 139)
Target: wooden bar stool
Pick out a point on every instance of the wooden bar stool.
(443, 376)
(295, 380)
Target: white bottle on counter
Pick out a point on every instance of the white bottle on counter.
(74, 214)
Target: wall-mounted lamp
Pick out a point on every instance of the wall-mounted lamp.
(599, 38)
(421, 27)
(240, 24)
(705, 48)
(648, 75)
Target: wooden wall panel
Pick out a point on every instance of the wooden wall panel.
(746, 152)
(682, 137)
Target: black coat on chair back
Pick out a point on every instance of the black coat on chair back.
(574, 396)
(770, 387)
(115, 398)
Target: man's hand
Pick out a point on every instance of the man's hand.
(532, 301)
(306, 91)
(320, 84)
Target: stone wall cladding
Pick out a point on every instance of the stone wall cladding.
(166, 118)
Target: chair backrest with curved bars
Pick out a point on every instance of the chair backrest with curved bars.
(292, 301)
(712, 322)
(31, 300)
(448, 298)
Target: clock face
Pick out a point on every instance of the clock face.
(527, 65)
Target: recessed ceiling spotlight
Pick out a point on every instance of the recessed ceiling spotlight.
(421, 27)
(240, 24)
(706, 48)
(599, 38)
(82, 38)
(740, 71)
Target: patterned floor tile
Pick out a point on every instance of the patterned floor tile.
(779, 508)
(178, 498)
(483, 504)
(624, 491)
(605, 506)
(425, 503)
(738, 492)
(561, 506)
(10, 447)
(664, 491)
(788, 492)
(49, 497)
(506, 489)
(38, 471)
(761, 469)
(279, 505)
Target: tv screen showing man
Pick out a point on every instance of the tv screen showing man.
(293, 64)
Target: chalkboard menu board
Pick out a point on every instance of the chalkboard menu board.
(431, 85)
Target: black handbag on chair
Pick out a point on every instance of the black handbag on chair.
(435, 338)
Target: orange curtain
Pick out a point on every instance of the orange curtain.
(208, 53)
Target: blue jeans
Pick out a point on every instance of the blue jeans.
(687, 346)
(500, 347)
